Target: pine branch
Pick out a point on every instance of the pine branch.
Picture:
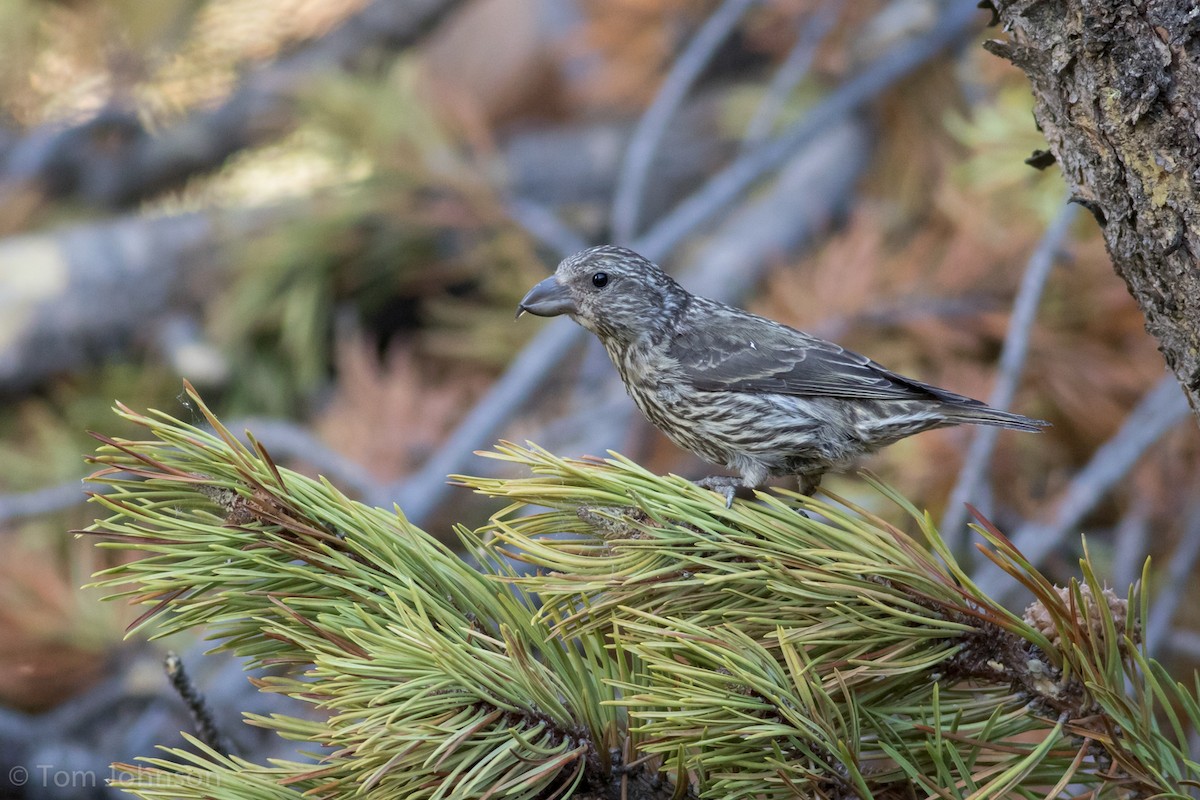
(782, 647)
(848, 654)
(423, 665)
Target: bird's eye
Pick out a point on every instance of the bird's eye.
(600, 280)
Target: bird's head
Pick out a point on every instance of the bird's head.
(611, 291)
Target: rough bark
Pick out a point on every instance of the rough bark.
(1117, 91)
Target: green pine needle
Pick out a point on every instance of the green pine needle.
(662, 646)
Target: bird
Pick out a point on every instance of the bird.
(739, 390)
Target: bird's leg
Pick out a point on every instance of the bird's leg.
(721, 484)
(809, 483)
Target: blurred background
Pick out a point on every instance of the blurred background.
(323, 213)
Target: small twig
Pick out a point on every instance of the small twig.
(1179, 573)
(206, 727)
(793, 70)
(1012, 362)
(635, 169)
(1161, 409)
(950, 28)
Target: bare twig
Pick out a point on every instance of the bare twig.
(793, 70)
(206, 727)
(951, 27)
(1162, 408)
(1012, 362)
(635, 169)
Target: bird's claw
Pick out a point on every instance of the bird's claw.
(721, 484)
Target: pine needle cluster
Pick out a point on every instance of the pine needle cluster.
(661, 645)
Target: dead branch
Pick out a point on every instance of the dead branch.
(790, 73)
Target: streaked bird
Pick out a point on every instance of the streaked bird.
(741, 390)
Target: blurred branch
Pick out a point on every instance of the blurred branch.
(422, 493)
(635, 169)
(287, 441)
(114, 162)
(902, 313)
(956, 22)
(1186, 643)
(793, 70)
(21, 505)
(812, 188)
(1162, 408)
(71, 297)
(1129, 543)
(1012, 363)
(1179, 573)
(545, 226)
(576, 164)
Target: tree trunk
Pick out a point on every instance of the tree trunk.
(1117, 90)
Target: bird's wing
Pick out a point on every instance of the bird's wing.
(743, 353)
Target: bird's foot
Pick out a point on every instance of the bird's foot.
(726, 485)
(809, 483)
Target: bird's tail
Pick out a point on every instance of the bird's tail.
(986, 415)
